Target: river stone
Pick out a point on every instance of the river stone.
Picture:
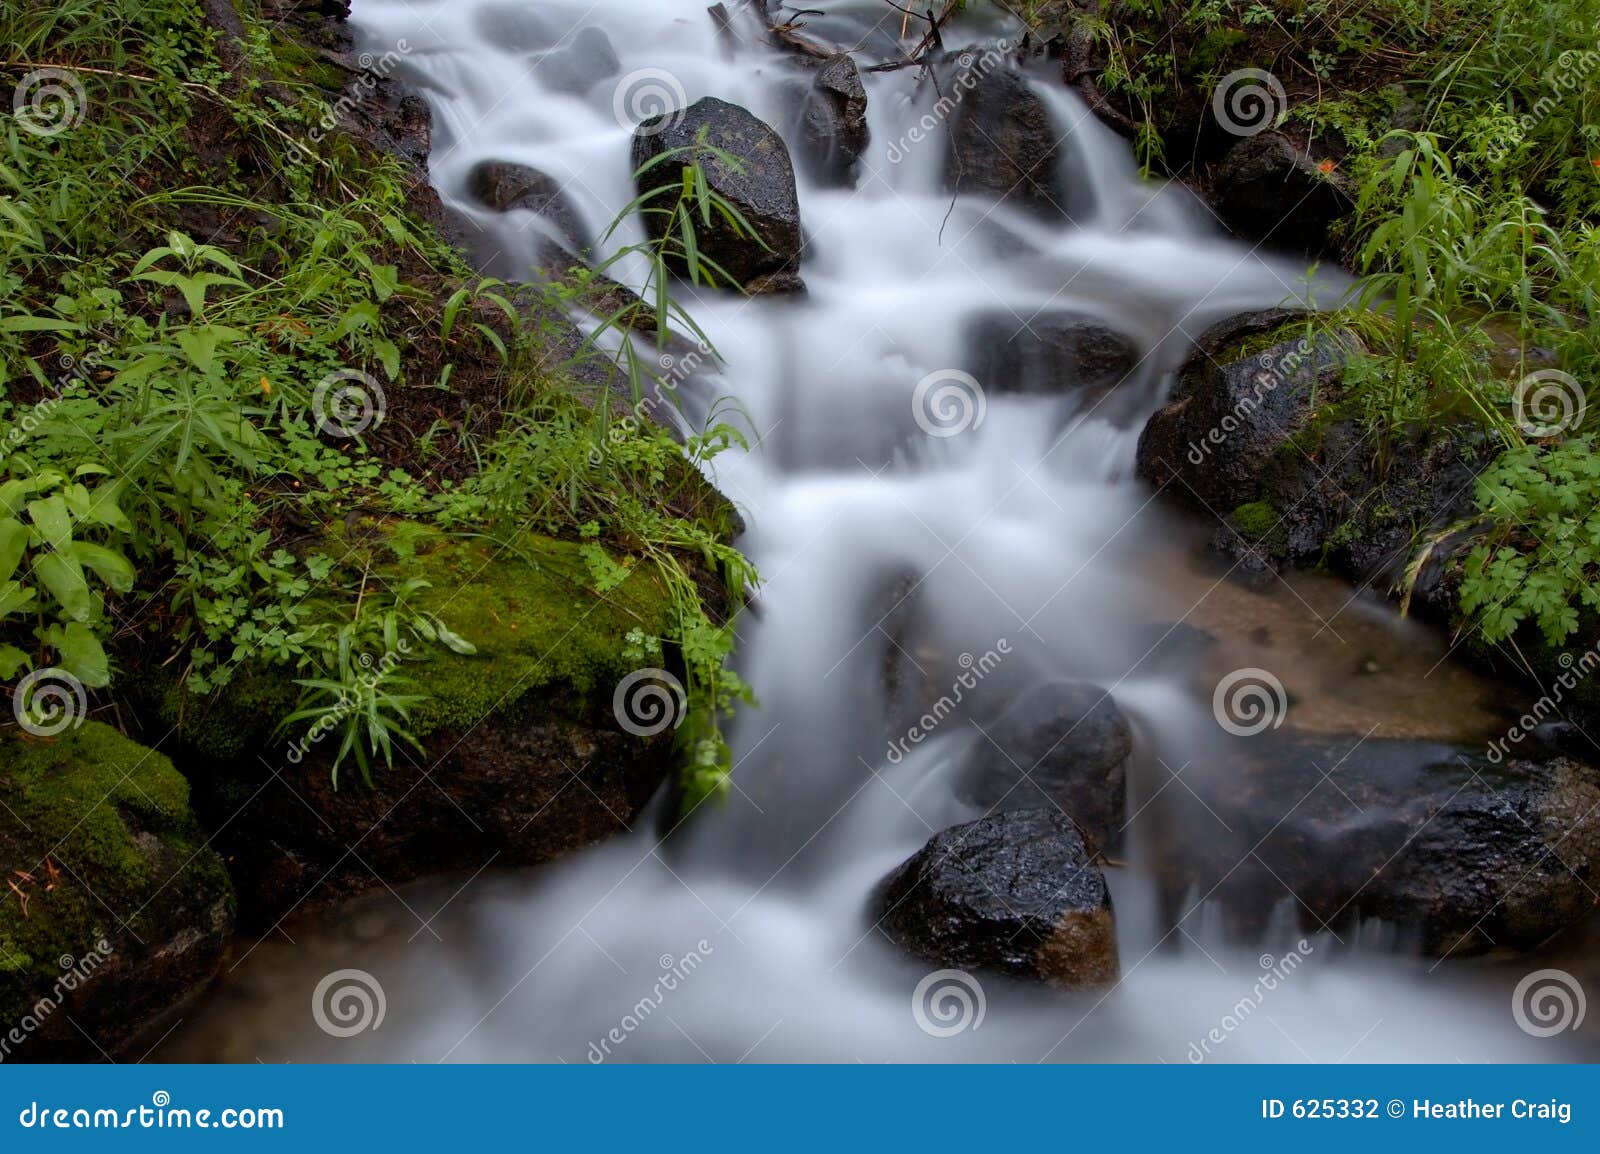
(1470, 854)
(1266, 189)
(515, 29)
(1062, 746)
(1015, 892)
(578, 66)
(503, 186)
(833, 124)
(1048, 353)
(1003, 142)
(763, 189)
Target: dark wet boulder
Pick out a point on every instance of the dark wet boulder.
(502, 186)
(1269, 190)
(577, 65)
(833, 123)
(1003, 142)
(1048, 353)
(1063, 746)
(762, 188)
(1015, 892)
(514, 28)
(1469, 849)
(1260, 437)
(117, 908)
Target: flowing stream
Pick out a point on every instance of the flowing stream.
(749, 936)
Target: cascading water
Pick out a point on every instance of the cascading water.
(749, 936)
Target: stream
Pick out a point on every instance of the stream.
(885, 542)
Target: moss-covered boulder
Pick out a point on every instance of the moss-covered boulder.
(523, 757)
(114, 907)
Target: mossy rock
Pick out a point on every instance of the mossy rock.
(127, 910)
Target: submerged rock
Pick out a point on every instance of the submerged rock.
(503, 186)
(1063, 746)
(1003, 142)
(1470, 854)
(578, 65)
(120, 911)
(1048, 353)
(515, 28)
(1014, 892)
(1267, 189)
(762, 188)
(833, 123)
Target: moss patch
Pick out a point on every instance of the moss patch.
(102, 826)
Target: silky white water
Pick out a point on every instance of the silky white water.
(876, 541)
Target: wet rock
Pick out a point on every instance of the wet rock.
(833, 124)
(1048, 353)
(515, 29)
(1269, 190)
(1258, 436)
(128, 909)
(763, 189)
(577, 66)
(1469, 853)
(506, 187)
(1063, 746)
(1003, 142)
(1015, 892)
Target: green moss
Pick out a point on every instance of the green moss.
(102, 826)
(1255, 520)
